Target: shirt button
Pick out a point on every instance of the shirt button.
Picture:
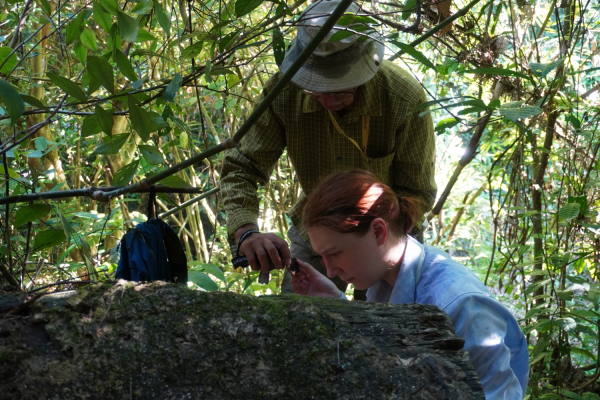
(338, 159)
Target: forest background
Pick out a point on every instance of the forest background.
(99, 94)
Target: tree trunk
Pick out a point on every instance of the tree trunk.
(165, 341)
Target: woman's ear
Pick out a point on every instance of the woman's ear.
(380, 230)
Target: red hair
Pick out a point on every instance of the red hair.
(349, 201)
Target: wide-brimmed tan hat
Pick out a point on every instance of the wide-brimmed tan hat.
(338, 65)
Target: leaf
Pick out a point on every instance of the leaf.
(192, 51)
(102, 18)
(209, 268)
(10, 63)
(514, 114)
(581, 200)
(48, 238)
(411, 7)
(125, 174)
(446, 124)
(45, 6)
(105, 119)
(207, 70)
(31, 212)
(142, 8)
(173, 88)
(414, 53)
(151, 154)
(567, 324)
(68, 86)
(88, 38)
(81, 52)
(74, 28)
(144, 36)
(496, 71)
(569, 211)
(175, 182)
(542, 70)
(339, 35)
(140, 120)
(124, 65)
(102, 72)
(34, 102)
(243, 7)
(430, 103)
(162, 18)
(111, 6)
(202, 280)
(278, 46)
(90, 126)
(41, 144)
(128, 27)
(112, 145)
(13, 103)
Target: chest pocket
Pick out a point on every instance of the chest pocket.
(380, 167)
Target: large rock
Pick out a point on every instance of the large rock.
(162, 341)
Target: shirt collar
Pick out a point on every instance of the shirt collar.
(367, 100)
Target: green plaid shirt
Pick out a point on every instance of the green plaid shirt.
(400, 149)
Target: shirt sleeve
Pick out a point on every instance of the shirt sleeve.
(413, 168)
(249, 164)
(486, 326)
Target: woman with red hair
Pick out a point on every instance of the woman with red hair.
(360, 229)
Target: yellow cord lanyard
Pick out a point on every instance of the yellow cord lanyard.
(366, 121)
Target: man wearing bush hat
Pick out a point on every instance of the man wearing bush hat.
(346, 108)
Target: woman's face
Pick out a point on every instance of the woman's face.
(355, 259)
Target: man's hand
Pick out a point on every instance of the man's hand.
(259, 248)
(310, 282)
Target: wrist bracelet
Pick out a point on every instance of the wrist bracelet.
(242, 261)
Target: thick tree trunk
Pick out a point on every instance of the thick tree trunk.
(167, 342)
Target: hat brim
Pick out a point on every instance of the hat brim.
(340, 71)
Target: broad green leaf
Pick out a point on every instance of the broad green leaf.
(40, 143)
(414, 53)
(11, 174)
(144, 36)
(48, 238)
(10, 63)
(173, 88)
(102, 18)
(111, 6)
(102, 72)
(581, 200)
(124, 65)
(243, 7)
(202, 280)
(34, 102)
(81, 52)
(45, 6)
(566, 295)
(430, 103)
(90, 126)
(209, 268)
(88, 38)
(228, 40)
(111, 145)
(140, 120)
(125, 174)
(496, 71)
(105, 119)
(151, 154)
(569, 211)
(162, 17)
(174, 181)
(128, 27)
(142, 8)
(517, 113)
(74, 27)
(411, 7)
(31, 212)
(192, 51)
(567, 324)
(13, 103)
(542, 70)
(68, 86)
(446, 124)
(339, 35)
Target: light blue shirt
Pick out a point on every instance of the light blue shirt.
(492, 335)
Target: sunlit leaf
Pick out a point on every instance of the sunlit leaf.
(144, 36)
(102, 72)
(31, 212)
(542, 70)
(110, 5)
(497, 72)
(45, 6)
(446, 124)
(10, 63)
(567, 324)
(74, 28)
(88, 38)
(569, 211)
(125, 174)
(339, 35)
(162, 17)
(519, 113)
(142, 8)
(13, 103)
(112, 145)
(102, 18)
(202, 280)
(410, 7)
(48, 238)
(173, 88)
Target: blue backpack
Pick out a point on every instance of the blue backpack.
(152, 252)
